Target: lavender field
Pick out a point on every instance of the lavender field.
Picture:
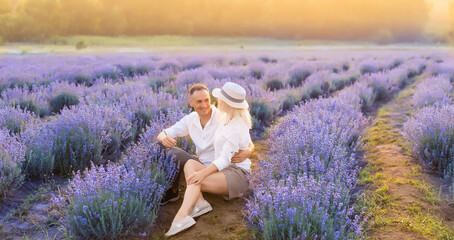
(79, 160)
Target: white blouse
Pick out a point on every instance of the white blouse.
(230, 137)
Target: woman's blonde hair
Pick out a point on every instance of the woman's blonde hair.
(232, 112)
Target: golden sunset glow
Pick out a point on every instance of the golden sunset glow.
(382, 21)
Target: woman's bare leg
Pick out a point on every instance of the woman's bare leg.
(193, 193)
(215, 183)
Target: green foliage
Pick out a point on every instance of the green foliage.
(305, 96)
(83, 79)
(257, 73)
(345, 66)
(160, 82)
(81, 45)
(367, 69)
(141, 120)
(451, 190)
(11, 176)
(108, 216)
(437, 150)
(315, 92)
(274, 84)
(61, 101)
(325, 86)
(57, 40)
(31, 107)
(397, 62)
(262, 115)
(172, 90)
(297, 79)
(75, 150)
(339, 84)
(381, 92)
(39, 162)
(131, 71)
(288, 103)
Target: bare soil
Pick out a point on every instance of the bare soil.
(27, 213)
(405, 177)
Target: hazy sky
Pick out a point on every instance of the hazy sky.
(439, 16)
(382, 21)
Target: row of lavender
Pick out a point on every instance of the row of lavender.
(112, 115)
(97, 122)
(106, 125)
(303, 189)
(430, 131)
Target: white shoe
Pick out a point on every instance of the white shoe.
(203, 208)
(177, 227)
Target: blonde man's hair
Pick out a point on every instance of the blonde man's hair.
(232, 112)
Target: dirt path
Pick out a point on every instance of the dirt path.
(27, 213)
(406, 201)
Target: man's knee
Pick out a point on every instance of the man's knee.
(173, 152)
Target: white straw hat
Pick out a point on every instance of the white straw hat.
(232, 94)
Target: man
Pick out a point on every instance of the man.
(201, 126)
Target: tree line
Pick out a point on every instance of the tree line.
(385, 20)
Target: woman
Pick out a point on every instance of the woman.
(221, 177)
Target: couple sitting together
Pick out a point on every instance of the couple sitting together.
(223, 147)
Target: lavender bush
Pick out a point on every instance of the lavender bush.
(433, 91)
(380, 83)
(303, 207)
(11, 159)
(359, 91)
(16, 120)
(63, 100)
(24, 99)
(303, 187)
(299, 73)
(83, 134)
(430, 134)
(121, 198)
(320, 135)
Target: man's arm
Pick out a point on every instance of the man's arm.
(179, 129)
(242, 155)
(167, 141)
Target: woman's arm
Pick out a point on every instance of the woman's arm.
(198, 177)
(242, 155)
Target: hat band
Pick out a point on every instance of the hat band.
(231, 98)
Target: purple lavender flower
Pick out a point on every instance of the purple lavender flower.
(11, 160)
(429, 133)
(432, 91)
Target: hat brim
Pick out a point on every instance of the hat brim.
(217, 94)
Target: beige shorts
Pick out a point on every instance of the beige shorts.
(237, 181)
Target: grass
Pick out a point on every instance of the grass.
(424, 225)
(388, 212)
(178, 40)
(432, 196)
(240, 232)
(381, 134)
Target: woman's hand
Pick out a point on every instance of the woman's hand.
(196, 177)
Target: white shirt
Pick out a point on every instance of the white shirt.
(229, 138)
(203, 138)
